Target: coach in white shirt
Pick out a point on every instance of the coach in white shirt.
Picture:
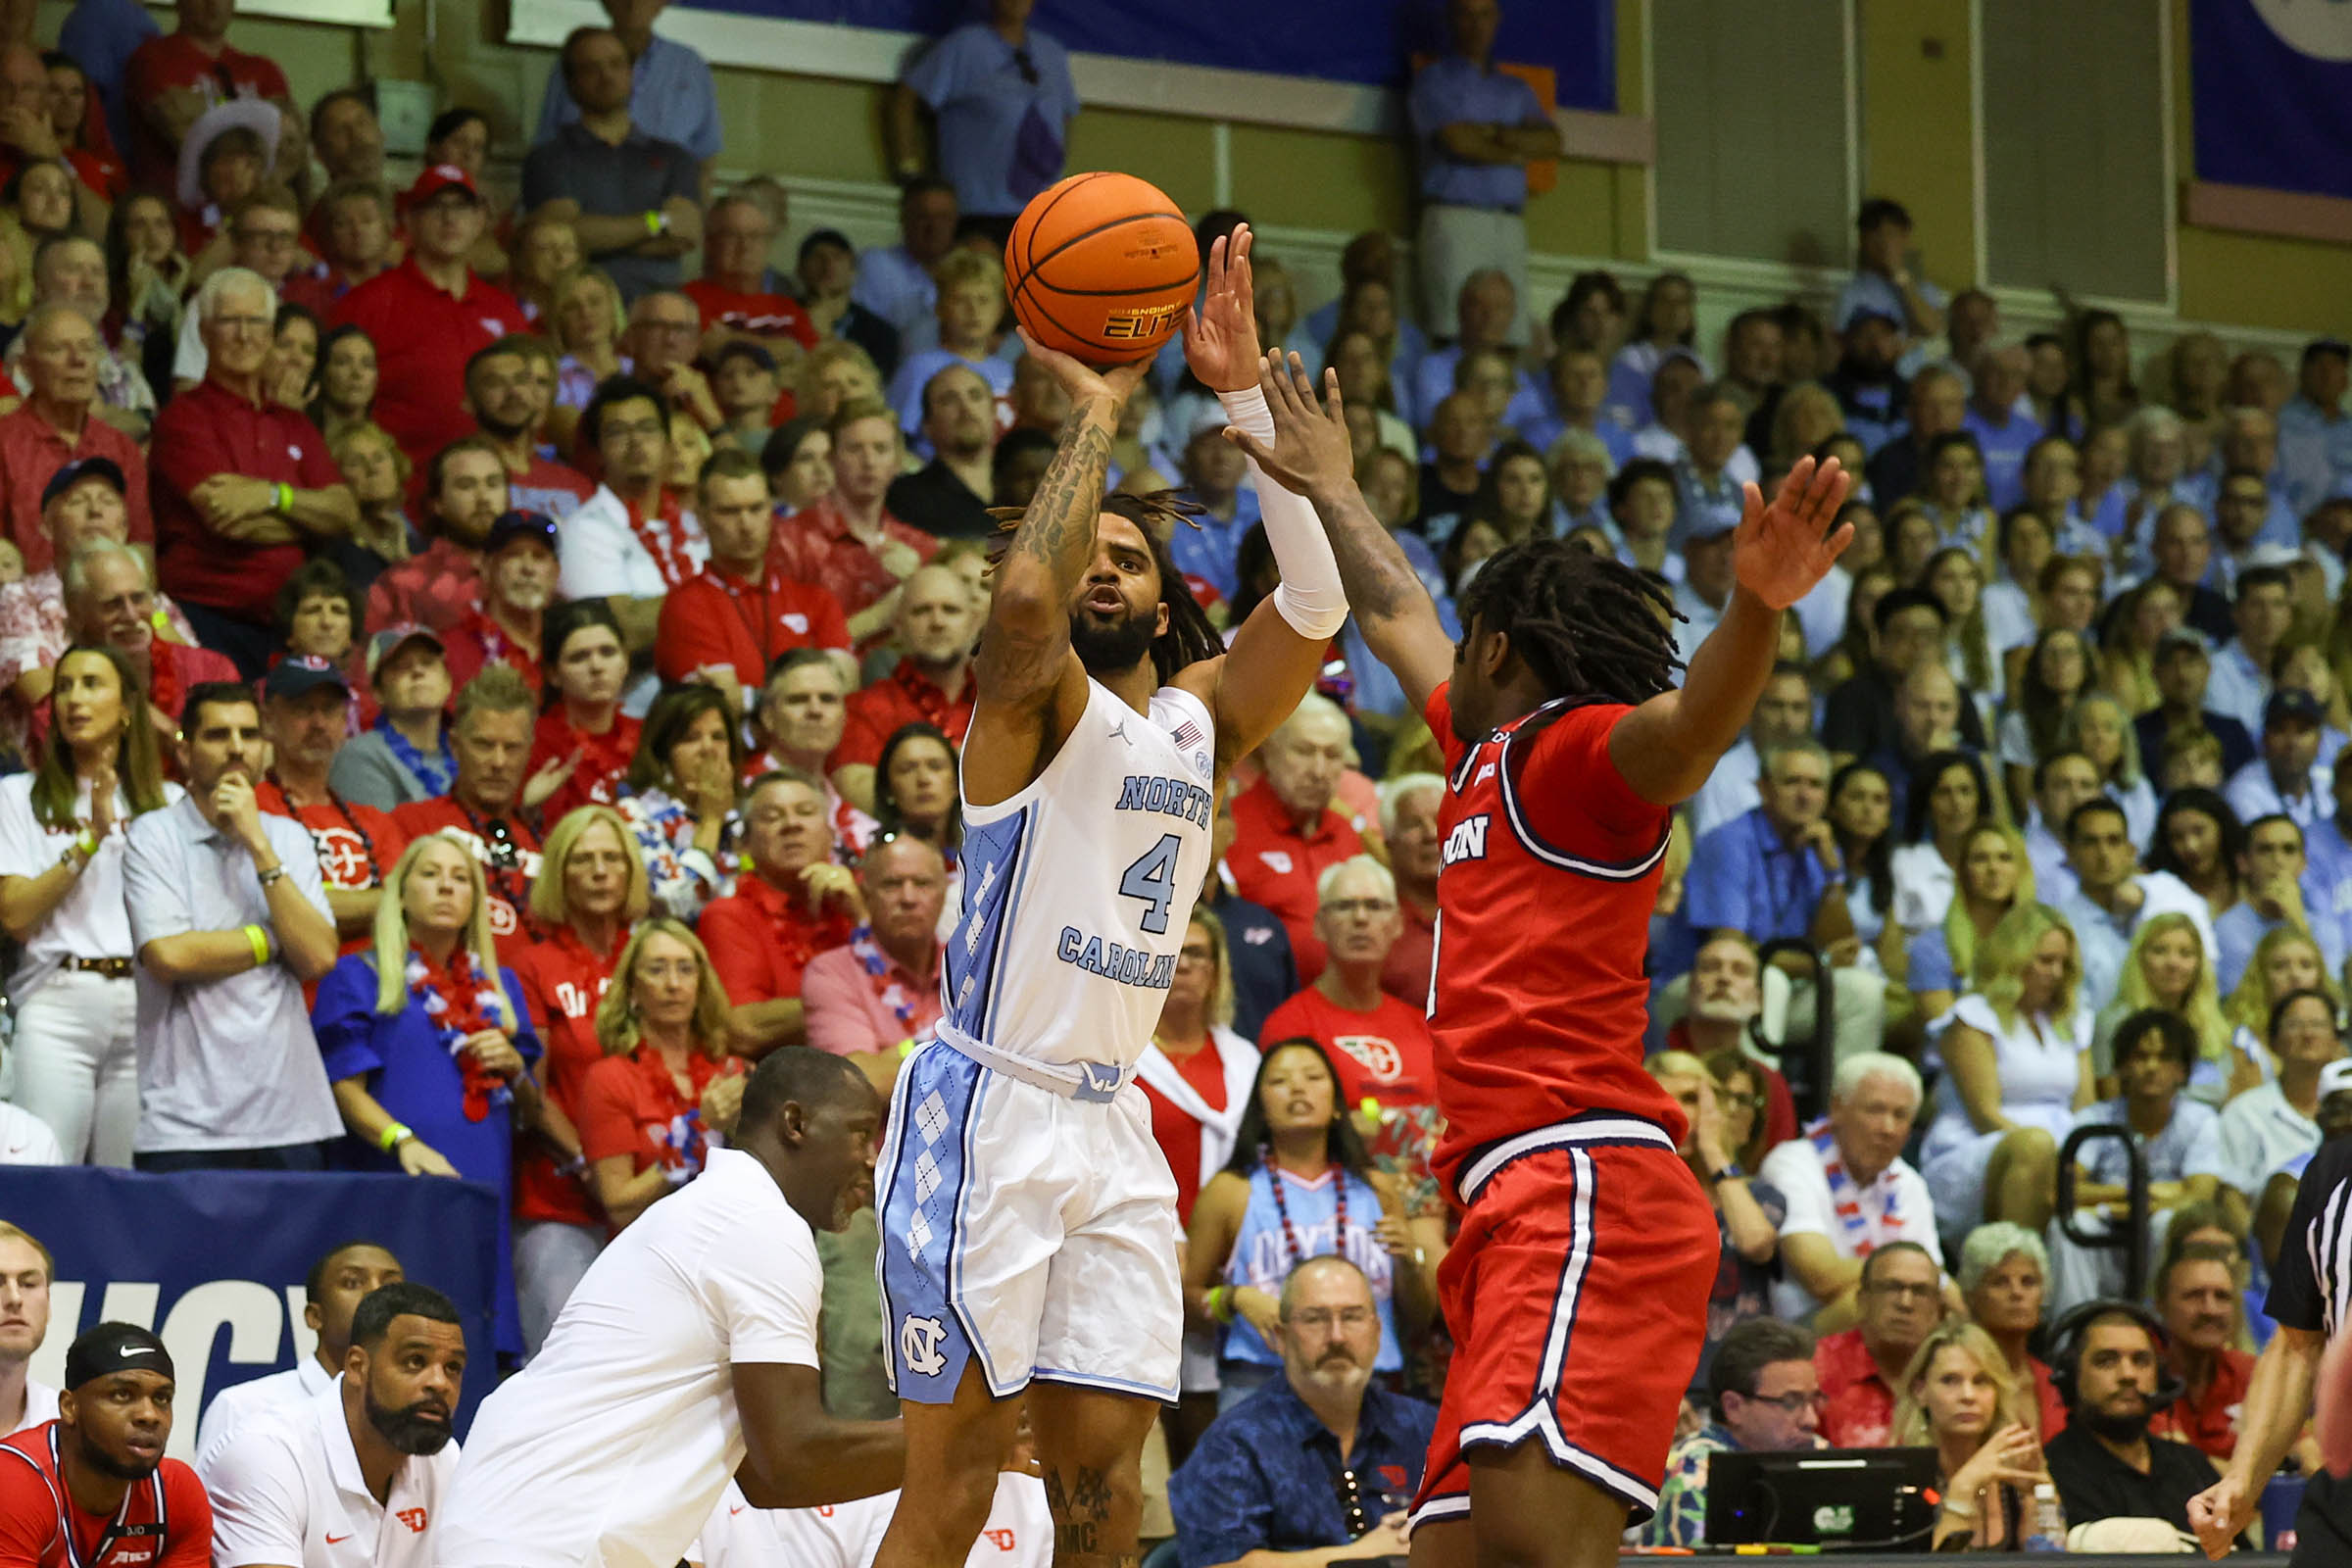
(331, 1297)
(27, 1271)
(1849, 1191)
(352, 1477)
(688, 1354)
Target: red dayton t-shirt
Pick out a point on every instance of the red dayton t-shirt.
(1551, 873)
(760, 314)
(905, 695)
(761, 940)
(41, 1525)
(357, 844)
(563, 980)
(209, 430)
(424, 335)
(1384, 1054)
(713, 619)
(1274, 865)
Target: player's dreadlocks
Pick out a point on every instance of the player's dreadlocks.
(1191, 636)
(1586, 625)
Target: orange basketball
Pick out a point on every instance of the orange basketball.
(1102, 267)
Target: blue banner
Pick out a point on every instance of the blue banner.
(2270, 85)
(1369, 43)
(214, 1262)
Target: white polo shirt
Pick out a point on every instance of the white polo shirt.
(1020, 1533)
(240, 1402)
(1895, 1208)
(41, 1407)
(286, 1490)
(25, 1138)
(613, 1446)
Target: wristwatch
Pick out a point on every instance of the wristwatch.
(1729, 1173)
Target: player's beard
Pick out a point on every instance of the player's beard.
(406, 1430)
(1112, 649)
(106, 1463)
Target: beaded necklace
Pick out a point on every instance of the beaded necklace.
(375, 873)
(1282, 1209)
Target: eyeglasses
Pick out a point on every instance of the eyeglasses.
(1791, 1404)
(1902, 1288)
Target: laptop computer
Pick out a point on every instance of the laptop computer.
(1839, 1500)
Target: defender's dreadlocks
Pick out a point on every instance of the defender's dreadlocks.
(1586, 624)
(1191, 636)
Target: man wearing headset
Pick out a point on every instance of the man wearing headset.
(2108, 1363)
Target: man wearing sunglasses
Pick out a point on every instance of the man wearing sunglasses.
(1763, 1397)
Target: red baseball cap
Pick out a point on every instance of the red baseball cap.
(436, 178)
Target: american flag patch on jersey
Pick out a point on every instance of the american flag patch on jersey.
(1188, 735)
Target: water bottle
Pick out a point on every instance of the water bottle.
(2045, 1531)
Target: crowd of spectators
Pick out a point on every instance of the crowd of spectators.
(471, 680)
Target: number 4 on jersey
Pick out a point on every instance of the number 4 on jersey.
(1153, 879)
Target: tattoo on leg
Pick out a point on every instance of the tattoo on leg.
(1081, 1512)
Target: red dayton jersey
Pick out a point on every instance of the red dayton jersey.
(1550, 874)
(166, 1521)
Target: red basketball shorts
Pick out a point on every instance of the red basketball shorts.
(1577, 1294)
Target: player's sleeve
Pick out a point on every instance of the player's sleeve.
(1573, 795)
(260, 1514)
(28, 1513)
(190, 1543)
(768, 1287)
(1223, 1508)
(2296, 1301)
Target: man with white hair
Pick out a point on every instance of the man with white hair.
(1408, 822)
(1849, 1190)
(1380, 1046)
(2003, 434)
(241, 484)
(59, 353)
(1287, 833)
(71, 270)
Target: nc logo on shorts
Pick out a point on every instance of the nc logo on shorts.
(919, 1346)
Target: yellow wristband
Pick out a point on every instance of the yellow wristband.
(393, 1136)
(1220, 1302)
(905, 1049)
(261, 944)
(88, 844)
(653, 222)
(286, 498)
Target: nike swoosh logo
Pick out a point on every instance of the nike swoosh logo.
(732, 1512)
(336, 1541)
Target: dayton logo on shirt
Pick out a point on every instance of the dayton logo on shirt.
(1467, 841)
(1380, 1058)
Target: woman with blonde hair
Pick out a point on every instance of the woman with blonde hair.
(667, 1087)
(428, 1050)
(2287, 959)
(835, 373)
(1996, 876)
(2167, 968)
(377, 471)
(585, 321)
(2016, 1056)
(591, 889)
(1960, 1398)
(1807, 414)
(2097, 726)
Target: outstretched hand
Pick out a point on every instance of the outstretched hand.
(1220, 337)
(1312, 455)
(1082, 381)
(1782, 551)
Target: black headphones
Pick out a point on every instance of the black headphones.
(2065, 1350)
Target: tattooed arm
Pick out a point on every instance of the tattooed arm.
(1030, 686)
(1311, 457)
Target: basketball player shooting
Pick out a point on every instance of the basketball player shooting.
(1576, 1289)
(1029, 1235)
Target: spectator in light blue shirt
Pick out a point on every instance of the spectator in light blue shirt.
(1883, 283)
(670, 98)
(1002, 99)
(895, 281)
(1487, 310)
(1763, 873)
(2241, 682)
(1213, 472)
(1370, 258)
(2277, 886)
(1474, 130)
(2287, 779)
(2315, 434)
(2004, 435)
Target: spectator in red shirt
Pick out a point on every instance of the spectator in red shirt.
(584, 742)
(465, 493)
(1197, 1073)
(937, 624)
(875, 998)
(509, 400)
(353, 228)
(69, 269)
(430, 313)
(589, 891)
(265, 237)
(518, 575)
(1862, 1369)
(483, 810)
(732, 293)
(2197, 1295)
(848, 540)
(28, 134)
(1287, 834)
(171, 81)
(741, 614)
(792, 903)
(663, 1028)
(1408, 824)
(58, 423)
(108, 1498)
(241, 483)
(73, 120)
(305, 704)
(109, 600)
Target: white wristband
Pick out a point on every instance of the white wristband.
(1309, 598)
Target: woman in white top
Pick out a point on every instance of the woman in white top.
(2017, 1067)
(1948, 797)
(2098, 727)
(60, 895)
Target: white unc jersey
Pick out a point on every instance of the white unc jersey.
(1077, 890)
